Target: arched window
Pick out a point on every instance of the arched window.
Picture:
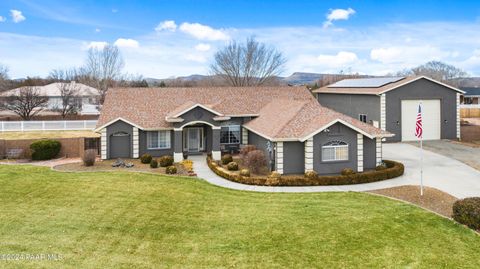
(120, 134)
(335, 151)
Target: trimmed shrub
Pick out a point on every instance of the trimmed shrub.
(171, 170)
(232, 166)
(245, 173)
(45, 149)
(166, 160)
(89, 157)
(246, 149)
(467, 211)
(311, 175)
(146, 158)
(227, 158)
(153, 163)
(347, 171)
(381, 167)
(255, 160)
(275, 174)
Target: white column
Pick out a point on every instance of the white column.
(244, 136)
(309, 154)
(279, 158)
(378, 151)
(458, 116)
(383, 115)
(359, 153)
(103, 143)
(135, 142)
(217, 155)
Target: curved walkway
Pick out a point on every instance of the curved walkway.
(441, 172)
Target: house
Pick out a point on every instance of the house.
(391, 103)
(470, 97)
(87, 98)
(295, 132)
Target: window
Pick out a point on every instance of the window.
(230, 134)
(362, 117)
(158, 140)
(335, 151)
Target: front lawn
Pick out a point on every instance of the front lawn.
(131, 220)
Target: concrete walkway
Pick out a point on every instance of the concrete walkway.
(441, 172)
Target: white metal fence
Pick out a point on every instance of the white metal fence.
(57, 125)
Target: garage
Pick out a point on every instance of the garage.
(431, 115)
(120, 145)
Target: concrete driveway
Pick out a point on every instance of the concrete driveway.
(441, 172)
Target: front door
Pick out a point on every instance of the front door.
(195, 138)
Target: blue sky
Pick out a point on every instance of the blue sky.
(174, 38)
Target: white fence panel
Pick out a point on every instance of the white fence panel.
(71, 125)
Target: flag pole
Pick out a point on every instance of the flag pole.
(421, 155)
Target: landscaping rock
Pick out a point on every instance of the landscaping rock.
(129, 165)
(118, 163)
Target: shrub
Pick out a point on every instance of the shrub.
(227, 158)
(45, 149)
(245, 173)
(255, 160)
(347, 171)
(188, 165)
(381, 167)
(89, 157)
(171, 170)
(232, 166)
(275, 174)
(246, 149)
(153, 163)
(166, 160)
(467, 211)
(311, 175)
(146, 158)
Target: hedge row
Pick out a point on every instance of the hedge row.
(394, 169)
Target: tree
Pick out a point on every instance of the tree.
(26, 103)
(437, 70)
(3, 77)
(69, 94)
(248, 64)
(102, 67)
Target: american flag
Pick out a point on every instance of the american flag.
(418, 124)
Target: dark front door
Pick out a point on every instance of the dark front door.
(120, 145)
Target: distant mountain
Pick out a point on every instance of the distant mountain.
(300, 78)
(467, 82)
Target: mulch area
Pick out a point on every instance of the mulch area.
(106, 165)
(432, 199)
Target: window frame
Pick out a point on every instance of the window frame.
(168, 140)
(229, 136)
(360, 117)
(335, 145)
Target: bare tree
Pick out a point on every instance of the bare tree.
(102, 67)
(70, 99)
(249, 64)
(26, 103)
(3, 77)
(437, 70)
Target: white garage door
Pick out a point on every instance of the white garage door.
(431, 119)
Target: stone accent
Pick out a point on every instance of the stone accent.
(279, 158)
(378, 151)
(309, 154)
(458, 116)
(216, 155)
(244, 136)
(359, 153)
(103, 143)
(383, 115)
(135, 142)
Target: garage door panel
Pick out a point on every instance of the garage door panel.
(431, 119)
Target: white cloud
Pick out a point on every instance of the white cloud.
(166, 26)
(341, 59)
(2, 19)
(203, 32)
(97, 30)
(202, 47)
(338, 14)
(95, 45)
(17, 16)
(126, 43)
(410, 54)
(195, 58)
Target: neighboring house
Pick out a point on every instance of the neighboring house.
(391, 103)
(287, 123)
(470, 98)
(87, 97)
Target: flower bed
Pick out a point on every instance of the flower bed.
(394, 169)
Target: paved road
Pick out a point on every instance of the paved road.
(441, 172)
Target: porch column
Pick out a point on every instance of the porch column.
(103, 143)
(359, 153)
(279, 158)
(177, 145)
(378, 151)
(216, 154)
(244, 136)
(383, 113)
(309, 154)
(458, 117)
(135, 142)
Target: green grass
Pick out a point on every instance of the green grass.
(130, 220)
